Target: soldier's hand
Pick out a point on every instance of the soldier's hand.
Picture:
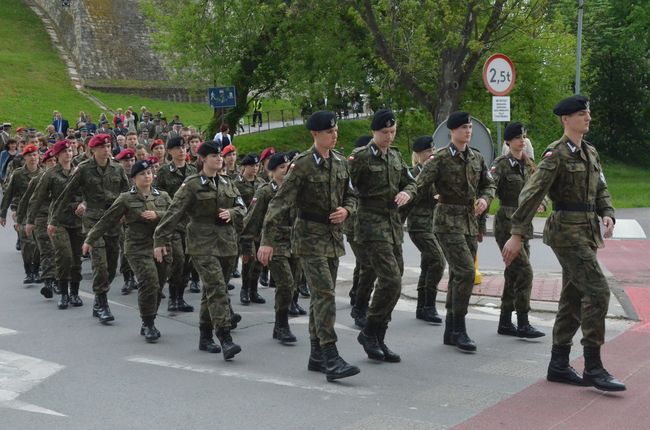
(224, 214)
(3, 221)
(339, 215)
(29, 229)
(608, 222)
(159, 253)
(51, 230)
(511, 249)
(264, 255)
(86, 249)
(479, 207)
(402, 198)
(150, 215)
(81, 209)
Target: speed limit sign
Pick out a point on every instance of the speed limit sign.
(499, 75)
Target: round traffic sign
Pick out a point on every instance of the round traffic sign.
(499, 75)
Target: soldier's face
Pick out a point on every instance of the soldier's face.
(141, 154)
(127, 164)
(517, 144)
(178, 153)
(280, 171)
(193, 144)
(159, 151)
(65, 156)
(578, 122)
(144, 179)
(50, 162)
(326, 139)
(102, 151)
(32, 159)
(462, 134)
(131, 141)
(251, 169)
(385, 137)
(213, 162)
(231, 158)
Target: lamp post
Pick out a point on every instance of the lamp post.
(581, 5)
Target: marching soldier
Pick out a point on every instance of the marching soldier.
(383, 183)
(126, 158)
(264, 175)
(571, 174)
(317, 185)
(230, 161)
(465, 188)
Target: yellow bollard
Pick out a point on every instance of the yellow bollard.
(477, 273)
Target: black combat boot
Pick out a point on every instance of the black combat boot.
(75, 300)
(368, 339)
(55, 286)
(104, 312)
(281, 330)
(229, 348)
(460, 337)
(64, 298)
(254, 296)
(96, 307)
(264, 277)
(234, 318)
(420, 303)
(360, 312)
(206, 341)
(194, 282)
(150, 333)
(36, 272)
(126, 288)
(181, 304)
(595, 374)
(172, 305)
(389, 355)
(506, 327)
(428, 311)
(303, 289)
(244, 296)
(133, 284)
(236, 274)
(335, 366)
(447, 337)
(297, 309)
(524, 329)
(559, 369)
(29, 276)
(316, 362)
(18, 244)
(46, 290)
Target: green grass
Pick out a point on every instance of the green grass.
(628, 185)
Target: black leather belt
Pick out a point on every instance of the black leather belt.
(314, 216)
(574, 207)
(453, 201)
(377, 204)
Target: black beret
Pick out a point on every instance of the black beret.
(513, 130)
(422, 143)
(321, 120)
(174, 142)
(250, 160)
(277, 159)
(570, 105)
(383, 118)
(139, 166)
(209, 147)
(456, 119)
(362, 141)
(292, 154)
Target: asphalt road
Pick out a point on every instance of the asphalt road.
(63, 370)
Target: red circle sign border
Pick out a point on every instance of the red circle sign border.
(514, 74)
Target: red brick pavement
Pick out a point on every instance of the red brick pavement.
(546, 287)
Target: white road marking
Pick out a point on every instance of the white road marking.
(6, 331)
(19, 374)
(253, 377)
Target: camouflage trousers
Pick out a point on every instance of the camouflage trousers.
(584, 298)
(386, 261)
(460, 252)
(151, 277)
(320, 273)
(67, 243)
(103, 259)
(215, 304)
(125, 267)
(366, 275)
(180, 266)
(28, 249)
(432, 262)
(518, 276)
(45, 248)
(251, 270)
(285, 272)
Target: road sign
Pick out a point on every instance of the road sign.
(222, 97)
(501, 108)
(481, 139)
(499, 75)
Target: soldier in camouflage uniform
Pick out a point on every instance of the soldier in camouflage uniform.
(284, 267)
(37, 226)
(317, 185)
(383, 183)
(419, 224)
(248, 183)
(169, 179)
(230, 162)
(264, 175)
(141, 207)
(100, 181)
(68, 239)
(126, 158)
(11, 197)
(571, 174)
(213, 205)
(510, 172)
(465, 188)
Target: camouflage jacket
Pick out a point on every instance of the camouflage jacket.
(48, 189)
(169, 179)
(377, 178)
(21, 211)
(200, 198)
(315, 187)
(99, 187)
(459, 178)
(16, 189)
(247, 189)
(420, 215)
(138, 239)
(572, 177)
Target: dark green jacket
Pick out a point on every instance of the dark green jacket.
(48, 189)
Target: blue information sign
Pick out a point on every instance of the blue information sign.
(222, 97)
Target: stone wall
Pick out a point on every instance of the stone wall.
(107, 39)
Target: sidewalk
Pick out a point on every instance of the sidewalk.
(625, 228)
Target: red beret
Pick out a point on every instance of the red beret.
(152, 159)
(267, 153)
(28, 149)
(227, 150)
(59, 146)
(99, 139)
(125, 154)
(19, 129)
(48, 154)
(156, 143)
